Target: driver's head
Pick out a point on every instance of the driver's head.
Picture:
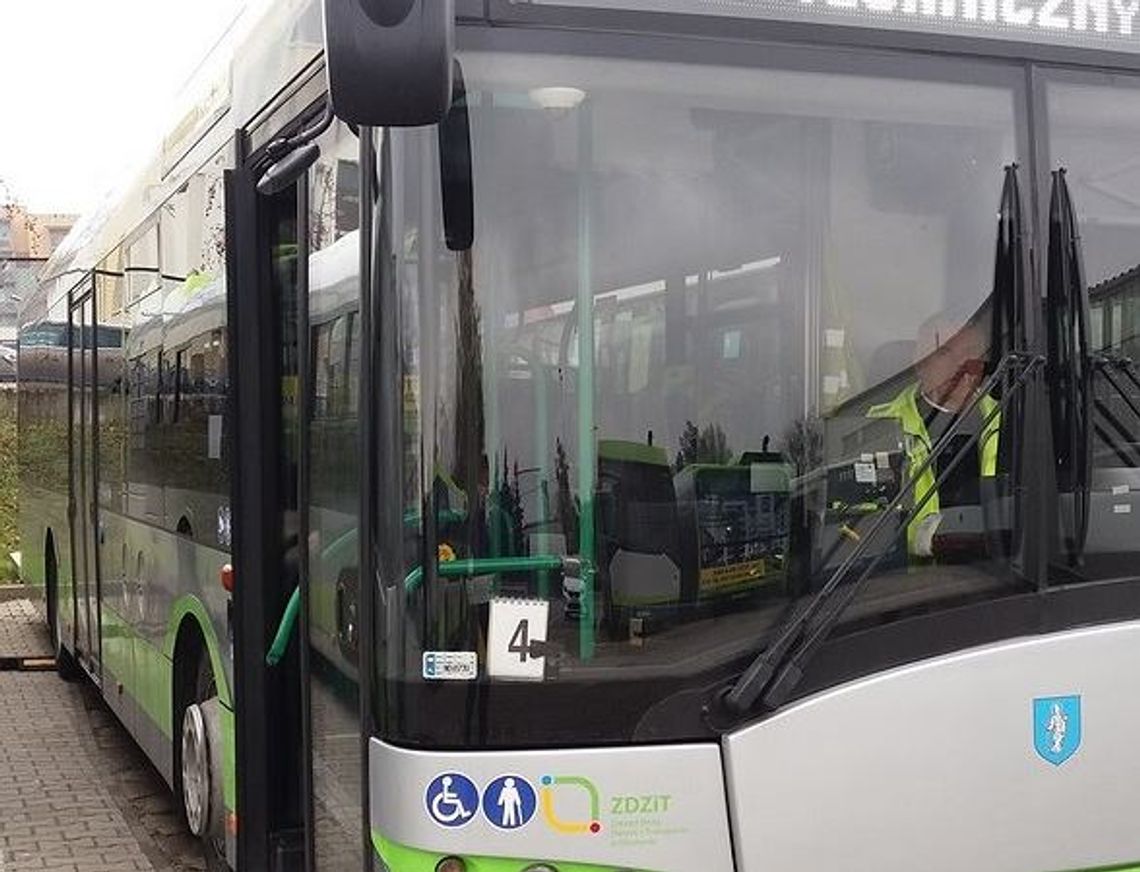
(950, 360)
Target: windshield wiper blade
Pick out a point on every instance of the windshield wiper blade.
(773, 674)
(790, 673)
(1070, 361)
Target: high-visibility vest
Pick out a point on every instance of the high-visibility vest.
(904, 408)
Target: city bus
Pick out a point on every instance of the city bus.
(595, 435)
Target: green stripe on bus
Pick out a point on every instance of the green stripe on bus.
(141, 667)
(401, 858)
(229, 760)
(146, 673)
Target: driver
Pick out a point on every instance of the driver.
(950, 367)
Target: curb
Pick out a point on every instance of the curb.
(9, 592)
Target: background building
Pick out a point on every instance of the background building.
(25, 234)
(26, 241)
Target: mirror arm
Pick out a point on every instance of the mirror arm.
(285, 145)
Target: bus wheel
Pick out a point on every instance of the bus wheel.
(65, 665)
(199, 766)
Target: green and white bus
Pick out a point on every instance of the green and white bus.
(594, 435)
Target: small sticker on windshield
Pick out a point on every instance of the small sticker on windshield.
(450, 666)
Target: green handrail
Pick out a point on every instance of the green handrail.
(284, 629)
(448, 569)
(471, 566)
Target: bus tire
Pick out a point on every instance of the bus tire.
(198, 755)
(66, 666)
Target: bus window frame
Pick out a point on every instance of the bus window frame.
(511, 14)
(1045, 603)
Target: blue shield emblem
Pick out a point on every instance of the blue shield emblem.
(1057, 727)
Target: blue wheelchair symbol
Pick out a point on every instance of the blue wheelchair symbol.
(452, 799)
(509, 802)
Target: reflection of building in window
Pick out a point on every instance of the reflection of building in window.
(25, 234)
(335, 360)
(1115, 313)
(336, 201)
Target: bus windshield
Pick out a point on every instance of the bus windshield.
(713, 317)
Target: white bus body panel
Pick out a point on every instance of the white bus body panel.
(686, 832)
(934, 766)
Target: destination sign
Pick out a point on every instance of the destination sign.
(1098, 24)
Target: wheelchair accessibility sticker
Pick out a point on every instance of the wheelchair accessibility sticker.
(452, 799)
(1056, 727)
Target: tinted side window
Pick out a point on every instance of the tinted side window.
(111, 388)
(142, 264)
(144, 456)
(1094, 134)
(196, 386)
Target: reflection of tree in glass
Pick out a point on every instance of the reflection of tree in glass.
(470, 460)
(709, 445)
(803, 444)
(567, 502)
(508, 507)
(322, 218)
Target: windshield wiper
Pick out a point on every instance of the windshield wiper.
(774, 674)
(1070, 361)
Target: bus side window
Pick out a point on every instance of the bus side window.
(156, 382)
(179, 380)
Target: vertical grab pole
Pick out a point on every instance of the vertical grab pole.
(587, 462)
(542, 458)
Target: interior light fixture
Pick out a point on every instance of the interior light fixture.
(558, 98)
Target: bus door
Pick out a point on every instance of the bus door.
(82, 502)
(295, 317)
(329, 356)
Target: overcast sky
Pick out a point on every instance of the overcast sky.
(87, 86)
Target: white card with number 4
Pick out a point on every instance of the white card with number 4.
(516, 638)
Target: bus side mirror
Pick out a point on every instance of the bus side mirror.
(457, 189)
(389, 61)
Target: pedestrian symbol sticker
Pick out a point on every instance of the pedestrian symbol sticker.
(509, 802)
(452, 799)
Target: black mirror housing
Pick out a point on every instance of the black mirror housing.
(389, 62)
(284, 172)
(457, 188)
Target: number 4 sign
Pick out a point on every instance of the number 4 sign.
(516, 626)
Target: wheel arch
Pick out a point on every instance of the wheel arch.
(191, 630)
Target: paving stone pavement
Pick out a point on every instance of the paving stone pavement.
(22, 633)
(76, 794)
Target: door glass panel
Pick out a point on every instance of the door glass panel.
(90, 512)
(78, 479)
(334, 348)
(1094, 133)
(83, 475)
